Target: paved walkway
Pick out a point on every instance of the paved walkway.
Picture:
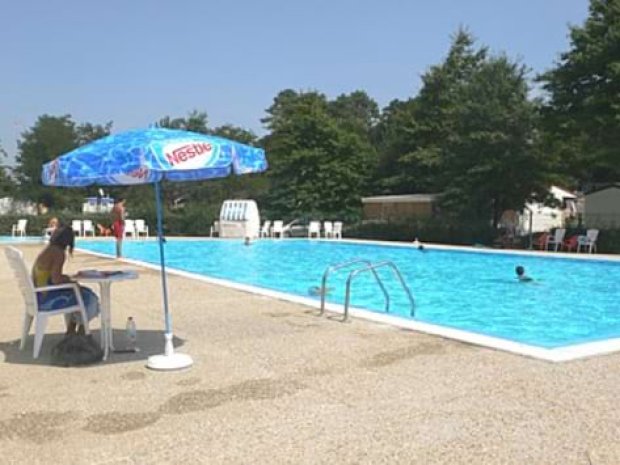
(274, 384)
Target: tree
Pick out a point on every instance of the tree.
(395, 139)
(7, 186)
(319, 165)
(50, 137)
(470, 129)
(490, 162)
(356, 112)
(195, 121)
(581, 114)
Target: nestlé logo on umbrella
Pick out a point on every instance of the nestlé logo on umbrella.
(189, 155)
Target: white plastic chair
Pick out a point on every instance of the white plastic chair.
(278, 229)
(328, 229)
(588, 242)
(130, 228)
(19, 228)
(142, 228)
(215, 229)
(556, 240)
(76, 225)
(314, 229)
(264, 231)
(31, 309)
(337, 233)
(88, 228)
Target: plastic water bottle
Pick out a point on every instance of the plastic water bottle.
(131, 334)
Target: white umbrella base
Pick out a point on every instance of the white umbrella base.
(170, 360)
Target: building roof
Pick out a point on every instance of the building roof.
(561, 194)
(408, 198)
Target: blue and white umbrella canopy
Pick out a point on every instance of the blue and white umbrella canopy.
(150, 156)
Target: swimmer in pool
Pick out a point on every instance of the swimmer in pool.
(521, 276)
(316, 290)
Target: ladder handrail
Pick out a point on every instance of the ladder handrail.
(372, 267)
(338, 266)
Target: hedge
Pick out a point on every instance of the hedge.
(430, 230)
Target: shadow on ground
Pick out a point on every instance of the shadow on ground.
(150, 342)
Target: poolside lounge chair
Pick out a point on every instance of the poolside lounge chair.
(588, 242)
(87, 227)
(556, 240)
(19, 228)
(328, 229)
(314, 229)
(141, 228)
(130, 228)
(337, 233)
(264, 230)
(278, 229)
(31, 308)
(76, 225)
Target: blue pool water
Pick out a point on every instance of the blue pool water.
(571, 301)
(19, 240)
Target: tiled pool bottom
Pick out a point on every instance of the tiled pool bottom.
(256, 268)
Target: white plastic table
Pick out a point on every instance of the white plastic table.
(105, 280)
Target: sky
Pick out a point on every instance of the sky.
(133, 62)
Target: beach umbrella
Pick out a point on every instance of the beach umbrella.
(151, 156)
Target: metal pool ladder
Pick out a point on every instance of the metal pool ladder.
(367, 265)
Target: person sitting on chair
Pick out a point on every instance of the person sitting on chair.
(47, 271)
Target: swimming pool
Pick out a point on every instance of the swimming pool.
(20, 240)
(570, 301)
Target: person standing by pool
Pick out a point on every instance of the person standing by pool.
(118, 224)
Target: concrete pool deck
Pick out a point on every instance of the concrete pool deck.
(273, 383)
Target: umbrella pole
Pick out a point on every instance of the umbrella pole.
(169, 360)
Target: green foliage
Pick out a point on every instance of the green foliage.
(7, 186)
(319, 163)
(196, 122)
(581, 115)
(471, 126)
(50, 137)
(427, 230)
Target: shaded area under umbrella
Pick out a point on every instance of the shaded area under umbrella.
(154, 155)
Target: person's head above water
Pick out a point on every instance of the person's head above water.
(521, 276)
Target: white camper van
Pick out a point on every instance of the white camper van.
(239, 218)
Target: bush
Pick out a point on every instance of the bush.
(190, 220)
(426, 230)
